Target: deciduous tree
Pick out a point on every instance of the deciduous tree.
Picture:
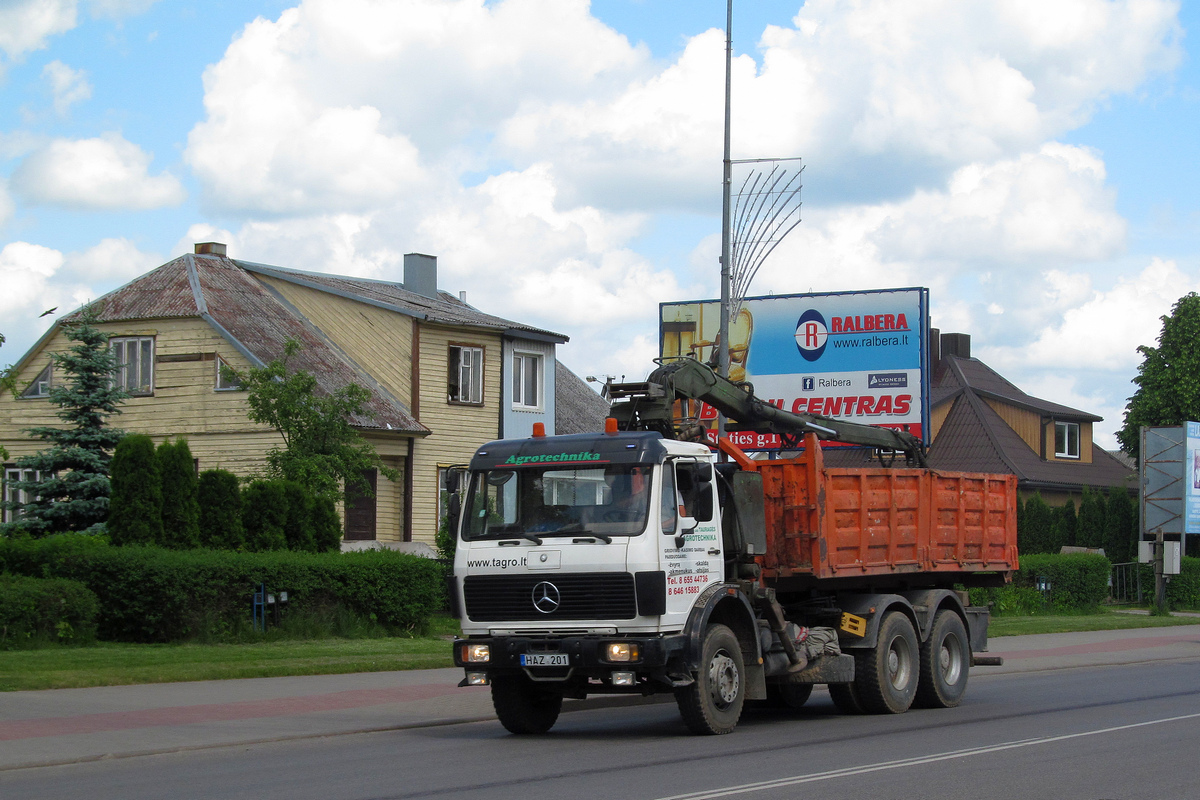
(1168, 378)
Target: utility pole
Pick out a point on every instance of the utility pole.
(726, 238)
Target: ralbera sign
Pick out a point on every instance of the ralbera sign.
(854, 355)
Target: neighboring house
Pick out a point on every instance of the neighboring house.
(443, 377)
(982, 423)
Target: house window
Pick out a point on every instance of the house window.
(1066, 439)
(225, 384)
(40, 386)
(14, 495)
(466, 374)
(135, 363)
(527, 381)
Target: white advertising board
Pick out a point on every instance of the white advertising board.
(860, 356)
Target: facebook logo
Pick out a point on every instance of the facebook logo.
(807, 384)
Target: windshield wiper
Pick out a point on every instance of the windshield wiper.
(524, 535)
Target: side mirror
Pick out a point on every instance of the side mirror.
(453, 479)
(453, 512)
(686, 525)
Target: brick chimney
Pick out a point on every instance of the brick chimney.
(956, 344)
(210, 248)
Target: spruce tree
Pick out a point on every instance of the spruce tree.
(135, 510)
(72, 492)
(220, 510)
(181, 505)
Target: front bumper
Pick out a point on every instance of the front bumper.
(660, 664)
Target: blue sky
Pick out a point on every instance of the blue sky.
(1034, 164)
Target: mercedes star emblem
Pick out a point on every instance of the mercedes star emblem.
(546, 598)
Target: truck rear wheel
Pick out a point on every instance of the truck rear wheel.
(712, 704)
(845, 698)
(886, 677)
(788, 695)
(945, 662)
(523, 706)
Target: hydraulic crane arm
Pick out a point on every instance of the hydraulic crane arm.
(650, 405)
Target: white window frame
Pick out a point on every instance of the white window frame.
(221, 385)
(39, 387)
(130, 375)
(522, 363)
(13, 495)
(1067, 429)
(465, 385)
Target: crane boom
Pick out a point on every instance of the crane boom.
(650, 405)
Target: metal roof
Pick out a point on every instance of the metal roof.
(255, 322)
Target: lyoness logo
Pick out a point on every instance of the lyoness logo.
(549, 457)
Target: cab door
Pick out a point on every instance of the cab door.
(689, 531)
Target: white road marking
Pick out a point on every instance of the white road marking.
(846, 772)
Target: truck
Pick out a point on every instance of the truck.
(643, 559)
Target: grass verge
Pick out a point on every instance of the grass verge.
(1103, 620)
(112, 664)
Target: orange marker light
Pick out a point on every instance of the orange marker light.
(539, 429)
(610, 425)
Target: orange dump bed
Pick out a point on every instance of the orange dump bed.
(840, 523)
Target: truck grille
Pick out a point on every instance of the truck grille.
(596, 595)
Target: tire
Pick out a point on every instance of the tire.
(788, 695)
(945, 663)
(523, 706)
(845, 698)
(886, 677)
(712, 704)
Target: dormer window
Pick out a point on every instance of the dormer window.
(40, 386)
(1066, 440)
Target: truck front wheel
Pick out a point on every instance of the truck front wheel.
(712, 704)
(945, 662)
(524, 706)
(886, 677)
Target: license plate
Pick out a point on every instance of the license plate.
(545, 660)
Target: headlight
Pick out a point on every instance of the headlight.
(622, 651)
(476, 653)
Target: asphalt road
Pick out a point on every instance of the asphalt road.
(1120, 731)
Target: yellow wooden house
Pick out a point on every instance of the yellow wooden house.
(443, 376)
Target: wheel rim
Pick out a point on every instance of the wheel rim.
(950, 660)
(723, 679)
(900, 663)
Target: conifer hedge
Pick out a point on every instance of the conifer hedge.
(135, 507)
(151, 594)
(180, 500)
(220, 510)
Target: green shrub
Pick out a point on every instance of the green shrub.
(180, 502)
(1092, 511)
(1037, 535)
(264, 516)
(1066, 522)
(220, 510)
(135, 507)
(1010, 601)
(1120, 526)
(150, 594)
(40, 610)
(326, 525)
(1183, 590)
(1078, 581)
(298, 526)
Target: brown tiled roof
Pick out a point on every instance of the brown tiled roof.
(974, 438)
(255, 322)
(577, 409)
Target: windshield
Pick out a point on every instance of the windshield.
(609, 501)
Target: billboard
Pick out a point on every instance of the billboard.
(859, 356)
(1191, 473)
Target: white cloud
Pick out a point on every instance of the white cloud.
(68, 86)
(25, 25)
(109, 262)
(1101, 330)
(103, 173)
